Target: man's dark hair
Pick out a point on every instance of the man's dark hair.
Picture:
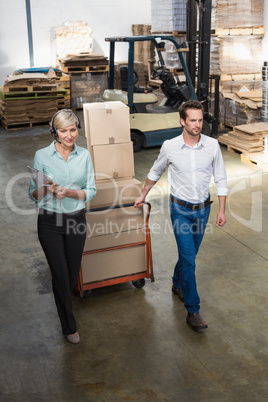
(191, 104)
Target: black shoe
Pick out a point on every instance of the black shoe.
(178, 292)
(196, 321)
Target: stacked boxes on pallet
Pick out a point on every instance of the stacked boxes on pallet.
(111, 230)
(144, 52)
(236, 56)
(169, 15)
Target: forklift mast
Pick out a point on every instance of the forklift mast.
(202, 39)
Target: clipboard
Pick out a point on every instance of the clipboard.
(38, 177)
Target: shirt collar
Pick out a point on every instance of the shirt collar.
(199, 144)
(53, 150)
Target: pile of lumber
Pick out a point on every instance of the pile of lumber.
(245, 138)
(28, 100)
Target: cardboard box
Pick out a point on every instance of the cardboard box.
(120, 160)
(117, 223)
(115, 192)
(106, 123)
(114, 240)
(114, 263)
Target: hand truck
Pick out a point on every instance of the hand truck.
(138, 279)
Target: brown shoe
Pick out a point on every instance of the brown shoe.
(196, 321)
(178, 292)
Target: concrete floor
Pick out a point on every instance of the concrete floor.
(135, 344)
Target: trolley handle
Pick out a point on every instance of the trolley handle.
(116, 206)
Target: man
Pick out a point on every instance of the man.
(192, 158)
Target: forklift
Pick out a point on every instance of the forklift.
(152, 123)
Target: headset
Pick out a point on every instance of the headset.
(53, 130)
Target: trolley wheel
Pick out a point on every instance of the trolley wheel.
(87, 293)
(139, 283)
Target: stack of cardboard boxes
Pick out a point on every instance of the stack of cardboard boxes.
(115, 245)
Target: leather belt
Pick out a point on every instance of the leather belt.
(193, 207)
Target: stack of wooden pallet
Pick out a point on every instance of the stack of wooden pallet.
(245, 138)
(28, 100)
(83, 63)
(64, 82)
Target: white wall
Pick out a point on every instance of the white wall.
(105, 18)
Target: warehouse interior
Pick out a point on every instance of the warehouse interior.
(135, 344)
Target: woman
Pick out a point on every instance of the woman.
(61, 202)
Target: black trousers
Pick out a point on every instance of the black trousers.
(62, 237)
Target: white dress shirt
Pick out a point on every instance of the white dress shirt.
(190, 169)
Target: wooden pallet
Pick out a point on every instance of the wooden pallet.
(59, 92)
(64, 103)
(258, 160)
(30, 88)
(22, 125)
(85, 69)
(236, 145)
(238, 31)
(240, 77)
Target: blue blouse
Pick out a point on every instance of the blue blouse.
(76, 174)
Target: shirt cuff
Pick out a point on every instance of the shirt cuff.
(222, 192)
(153, 177)
(90, 193)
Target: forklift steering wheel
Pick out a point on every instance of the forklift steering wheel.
(158, 71)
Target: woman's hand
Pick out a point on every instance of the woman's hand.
(60, 192)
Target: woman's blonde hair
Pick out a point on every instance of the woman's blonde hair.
(64, 118)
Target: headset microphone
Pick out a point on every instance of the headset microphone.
(53, 130)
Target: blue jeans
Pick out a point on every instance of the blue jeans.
(189, 227)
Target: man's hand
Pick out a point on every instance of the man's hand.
(147, 187)
(221, 219)
(139, 202)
